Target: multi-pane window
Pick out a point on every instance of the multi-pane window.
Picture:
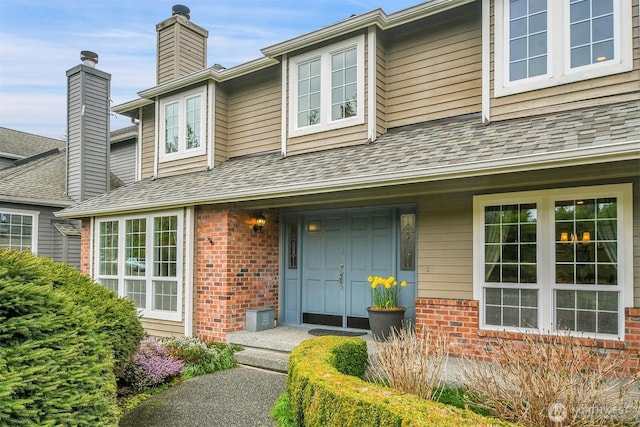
(344, 84)
(586, 256)
(327, 88)
(592, 35)
(17, 230)
(309, 93)
(550, 262)
(510, 265)
(527, 39)
(182, 125)
(138, 257)
(542, 43)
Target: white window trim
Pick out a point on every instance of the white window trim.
(147, 312)
(325, 88)
(34, 225)
(546, 253)
(558, 59)
(182, 150)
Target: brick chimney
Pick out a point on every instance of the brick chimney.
(88, 95)
(182, 46)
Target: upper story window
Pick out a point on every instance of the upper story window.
(327, 88)
(19, 230)
(542, 43)
(182, 130)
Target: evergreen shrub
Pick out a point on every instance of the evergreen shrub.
(56, 367)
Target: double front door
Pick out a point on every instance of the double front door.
(338, 252)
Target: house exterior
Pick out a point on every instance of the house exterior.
(35, 176)
(485, 152)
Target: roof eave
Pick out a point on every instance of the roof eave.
(35, 202)
(375, 17)
(572, 157)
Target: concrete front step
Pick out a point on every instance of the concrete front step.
(262, 358)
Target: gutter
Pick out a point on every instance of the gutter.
(572, 157)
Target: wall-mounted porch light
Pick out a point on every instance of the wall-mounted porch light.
(259, 223)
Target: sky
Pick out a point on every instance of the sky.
(41, 39)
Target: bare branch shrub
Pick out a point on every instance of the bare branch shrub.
(410, 362)
(553, 381)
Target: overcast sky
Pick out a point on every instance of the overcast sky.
(41, 39)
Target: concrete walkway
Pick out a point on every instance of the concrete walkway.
(240, 397)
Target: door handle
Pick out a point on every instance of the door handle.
(341, 275)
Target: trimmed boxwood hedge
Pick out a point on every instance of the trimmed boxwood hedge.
(322, 396)
(56, 366)
(116, 317)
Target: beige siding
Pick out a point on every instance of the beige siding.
(182, 49)
(221, 148)
(162, 328)
(381, 87)
(445, 247)
(604, 90)
(148, 140)
(186, 165)
(255, 111)
(434, 73)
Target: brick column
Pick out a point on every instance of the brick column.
(235, 268)
(85, 245)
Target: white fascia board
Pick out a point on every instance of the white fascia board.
(572, 157)
(129, 106)
(375, 17)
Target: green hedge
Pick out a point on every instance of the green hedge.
(56, 367)
(116, 317)
(322, 396)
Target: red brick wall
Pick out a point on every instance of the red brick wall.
(235, 268)
(459, 319)
(85, 246)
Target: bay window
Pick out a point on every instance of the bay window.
(546, 261)
(138, 257)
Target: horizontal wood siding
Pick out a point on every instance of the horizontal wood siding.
(162, 328)
(166, 68)
(181, 51)
(255, 111)
(123, 160)
(445, 247)
(381, 87)
(187, 165)
(148, 140)
(434, 70)
(221, 148)
(599, 91)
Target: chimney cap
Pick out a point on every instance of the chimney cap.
(89, 58)
(180, 10)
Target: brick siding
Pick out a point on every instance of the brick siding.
(235, 268)
(459, 319)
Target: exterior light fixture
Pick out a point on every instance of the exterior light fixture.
(259, 223)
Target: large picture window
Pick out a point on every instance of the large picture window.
(182, 121)
(138, 257)
(544, 261)
(542, 43)
(19, 230)
(327, 88)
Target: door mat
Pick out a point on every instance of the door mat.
(325, 332)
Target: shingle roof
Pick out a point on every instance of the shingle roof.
(419, 153)
(40, 180)
(22, 144)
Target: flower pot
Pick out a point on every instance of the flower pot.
(383, 320)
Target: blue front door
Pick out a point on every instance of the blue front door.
(338, 252)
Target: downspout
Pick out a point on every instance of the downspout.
(156, 128)
(283, 118)
(486, 75)
(188, 271)
(211, 129)
(371, 83)
(139, 147)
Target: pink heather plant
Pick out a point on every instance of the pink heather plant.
(152, 366)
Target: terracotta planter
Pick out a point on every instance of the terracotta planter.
(383, 320)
